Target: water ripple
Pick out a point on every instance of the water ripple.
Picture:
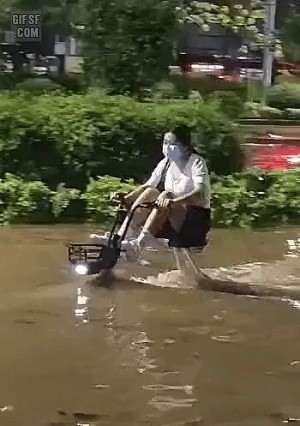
(188, 389)
(167, 403)
(227, 339)
(201, 329)
(193, 422)
(141, 347)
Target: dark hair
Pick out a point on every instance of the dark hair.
(183, 135)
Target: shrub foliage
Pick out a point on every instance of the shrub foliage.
(250, 199)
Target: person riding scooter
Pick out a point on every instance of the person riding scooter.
(179, 193)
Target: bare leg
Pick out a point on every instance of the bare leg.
(157, 218)
(140, 215)
(153, 224)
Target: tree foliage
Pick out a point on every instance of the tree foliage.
(290, 34)
(5, 7)
(129, 43)
(244, 17)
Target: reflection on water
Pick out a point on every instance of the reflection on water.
(81, 310)
(294, 303)
(293, 248)
(159, 355)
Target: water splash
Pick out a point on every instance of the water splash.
(293, 303)
(6, 408)
(169, 279)
(280, 277)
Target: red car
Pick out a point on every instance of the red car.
(277, 157)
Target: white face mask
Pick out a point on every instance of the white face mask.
(173, 152)
(170, 149)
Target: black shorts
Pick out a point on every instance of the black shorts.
(194, 231)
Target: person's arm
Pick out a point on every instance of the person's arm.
(152, 182)
(199, 171)
(135, 193)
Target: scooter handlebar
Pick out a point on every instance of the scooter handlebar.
(120, 198)
(117, 197)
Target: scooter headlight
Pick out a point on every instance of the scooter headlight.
(81, 269)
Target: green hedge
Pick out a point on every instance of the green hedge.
(257, 198)
(37, 86)
(58, 138)
(205, 86)
(8, 81)
(256, 110)
(283, 96)
(282, 102)
(243, 200)
(26, 81)
(229, 102)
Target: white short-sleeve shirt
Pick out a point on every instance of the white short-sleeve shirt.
(180, 180)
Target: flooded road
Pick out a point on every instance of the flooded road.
(72, 354)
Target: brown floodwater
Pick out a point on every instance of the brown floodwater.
(163, 354)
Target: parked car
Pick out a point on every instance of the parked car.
(40, 70)
(277, 157)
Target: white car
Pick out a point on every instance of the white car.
(39, 70)
(294, 160)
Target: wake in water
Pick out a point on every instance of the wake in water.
(170, 279)
(280, 279)
(284, 272)
(277, 279)
(281, 273)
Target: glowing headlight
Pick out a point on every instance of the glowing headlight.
(81, 269)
